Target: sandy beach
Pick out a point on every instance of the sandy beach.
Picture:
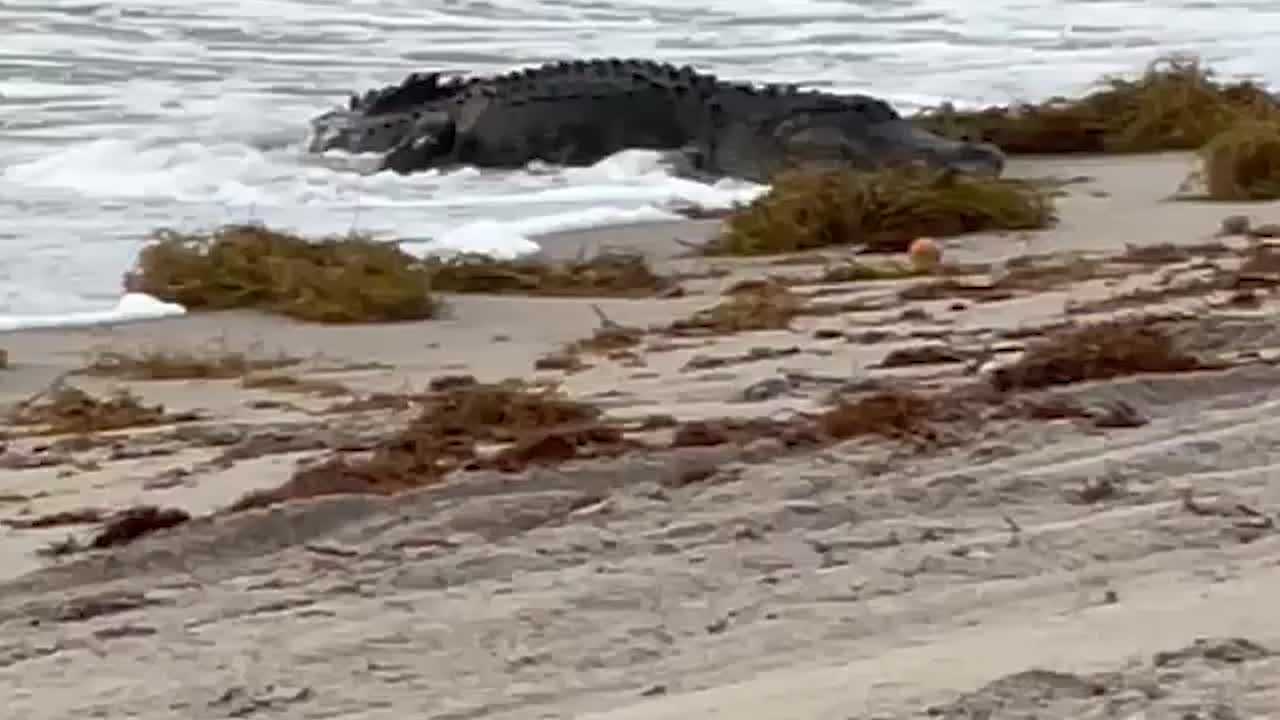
(1088, 550)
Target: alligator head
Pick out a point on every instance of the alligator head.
(357, 133)
(854, 132)
(384, 119)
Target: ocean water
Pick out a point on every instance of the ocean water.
(120, 117)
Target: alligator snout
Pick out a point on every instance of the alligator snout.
(341, 130)
(400, 135)
(324, 139)
(329, 131)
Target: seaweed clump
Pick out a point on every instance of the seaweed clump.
(892, 413)
(766, 305)
(333, 280)
(1243, 162)
(1098, 351)
(612, 274)
(132, 523)
(157, 364)
(119, 528)
(70, 410)
(885, 210)
(854, 271)
(1176, 104)
(453, 429)
(283, 382)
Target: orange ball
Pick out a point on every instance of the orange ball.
(925, 254)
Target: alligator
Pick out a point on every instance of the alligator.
(580, 112)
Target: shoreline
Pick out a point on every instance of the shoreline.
(658, 238)
(663, 240)
(868, 578)
(237, 173)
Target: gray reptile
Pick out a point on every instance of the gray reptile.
(579, 112)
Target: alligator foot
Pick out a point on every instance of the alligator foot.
(426, 145)
(690, 163)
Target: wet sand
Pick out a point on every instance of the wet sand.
(870, 579)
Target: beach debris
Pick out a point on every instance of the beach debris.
(767, 305)
(341, 279)
(1176, 104)
(885, 210)
(1242, 163)
(611, 273)
(925, 254)
(453, 426)
(127, 525)
(1235, 225)
(182, 364)
(1097, 351)
(64, 409)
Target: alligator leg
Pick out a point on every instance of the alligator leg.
(429, 144)
(758, 149)
(412, 155)
(691, 163)
(900, 141)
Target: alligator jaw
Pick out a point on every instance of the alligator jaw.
(356, 133)
(337, 130)
(328, 131)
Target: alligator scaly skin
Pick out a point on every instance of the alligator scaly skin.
(579, 112)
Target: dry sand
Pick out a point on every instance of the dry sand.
(986, 579)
